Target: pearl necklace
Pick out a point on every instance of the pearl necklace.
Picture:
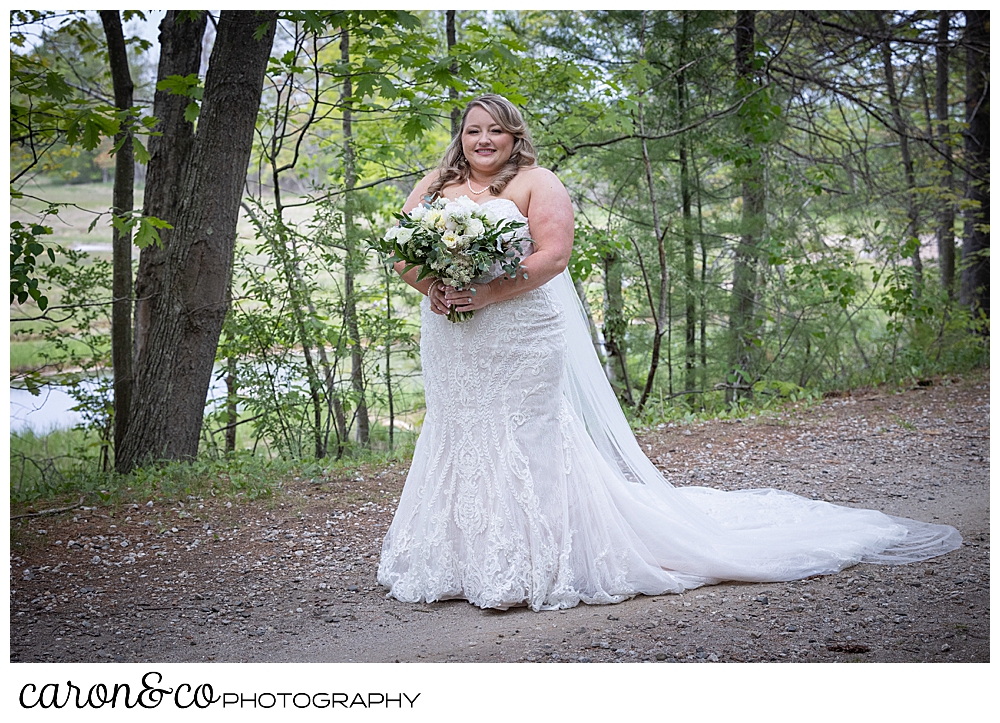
(468, 182)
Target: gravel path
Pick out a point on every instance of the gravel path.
(293, 578)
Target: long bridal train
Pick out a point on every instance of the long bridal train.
(527, 486)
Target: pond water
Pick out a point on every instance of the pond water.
(53, 408)
(50, 410)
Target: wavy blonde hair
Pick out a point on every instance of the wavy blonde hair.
(454, 167)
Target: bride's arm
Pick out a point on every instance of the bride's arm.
(550, 221)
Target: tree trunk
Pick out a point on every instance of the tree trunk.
(614, 329)
(690, 311)
(975, 248)
(702, 289)
(298, 294)
(946, 214)
(232, 416)
(388, 355)
(581, 294)
(660, 312)
(121, 240)
(185, 316)
(351, 257)
(169, 151)
(745, 259)
(912, 226)
(456, 112)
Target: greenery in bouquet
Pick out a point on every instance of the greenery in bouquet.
(456, 241)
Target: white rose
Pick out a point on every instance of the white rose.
(403, 234)
(456, 212)
(450, 239)
(391, 233)
(418, 213)
(475, 228)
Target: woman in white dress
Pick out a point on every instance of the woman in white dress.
(527, 486)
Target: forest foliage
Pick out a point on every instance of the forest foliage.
(770, 205)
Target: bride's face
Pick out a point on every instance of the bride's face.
(486, 145)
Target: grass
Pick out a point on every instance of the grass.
(67, 464)
(63, 465)
(52, 465)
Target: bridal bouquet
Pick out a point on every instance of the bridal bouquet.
(456, 241)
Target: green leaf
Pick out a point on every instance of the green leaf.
(386, 88)
(186, 85)
(147, 233)
(56, 86)
(191, 112)
(140, 152)
(91, 135)
(121, 225)
(260, 31)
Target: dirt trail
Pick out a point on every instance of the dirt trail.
(293, 578)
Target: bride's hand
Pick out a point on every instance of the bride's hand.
(475, 297)
(435, 292)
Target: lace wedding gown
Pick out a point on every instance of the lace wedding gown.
(527, 486)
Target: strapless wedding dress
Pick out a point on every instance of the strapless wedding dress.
(528, 488)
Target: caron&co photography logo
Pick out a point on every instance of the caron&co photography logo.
(152, 692)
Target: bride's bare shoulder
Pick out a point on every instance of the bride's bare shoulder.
(420, 190)
(543, 185)
(426, 181)
(536, 173)
(537, 178)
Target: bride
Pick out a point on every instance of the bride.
(527, 486)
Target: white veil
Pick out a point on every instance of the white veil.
(767, 534)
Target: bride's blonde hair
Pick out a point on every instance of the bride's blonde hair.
(454, 166)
